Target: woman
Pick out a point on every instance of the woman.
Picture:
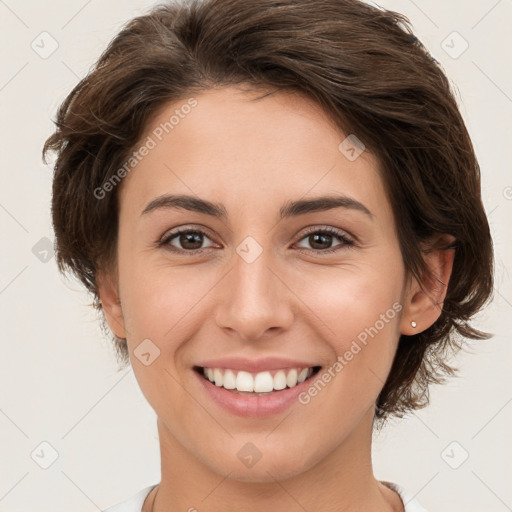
(276, 206)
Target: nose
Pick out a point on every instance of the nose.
(255, 298)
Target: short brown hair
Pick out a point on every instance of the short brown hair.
(368, 71)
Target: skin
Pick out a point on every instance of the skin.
(253, 157)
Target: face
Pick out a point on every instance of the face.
(257, 285)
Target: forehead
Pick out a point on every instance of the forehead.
(239, 147)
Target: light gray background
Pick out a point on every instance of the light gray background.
(59, 382)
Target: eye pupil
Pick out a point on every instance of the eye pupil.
(317, 238)
(185, 238)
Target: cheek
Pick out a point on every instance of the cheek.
(161, 302)
(348, 299)
(358, 311)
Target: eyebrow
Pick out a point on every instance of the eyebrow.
(289, 209)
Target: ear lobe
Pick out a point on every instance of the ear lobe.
(425, 300)
(109, 296)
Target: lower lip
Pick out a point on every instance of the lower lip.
(254, 406)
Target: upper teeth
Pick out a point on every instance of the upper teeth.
(258, 382)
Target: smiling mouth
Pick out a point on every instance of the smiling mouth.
(256, 383)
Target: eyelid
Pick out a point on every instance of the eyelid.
(329, 229)
(170, 233)
(347, 240)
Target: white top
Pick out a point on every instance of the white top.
(134, 504)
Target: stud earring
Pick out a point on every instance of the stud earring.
(413, 324)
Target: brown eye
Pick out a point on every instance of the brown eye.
(320, 240)
(190, 240)
(185, 240)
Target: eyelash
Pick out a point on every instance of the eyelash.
(347, 242)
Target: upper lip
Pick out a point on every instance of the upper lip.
(255, 365)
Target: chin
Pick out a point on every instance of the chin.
(265, 465)
(262, 472)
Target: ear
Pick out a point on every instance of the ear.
(108, 291)
(424, 301)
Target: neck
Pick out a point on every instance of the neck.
(342, 481)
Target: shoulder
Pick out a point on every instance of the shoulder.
(132, 504)
(409, 501)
